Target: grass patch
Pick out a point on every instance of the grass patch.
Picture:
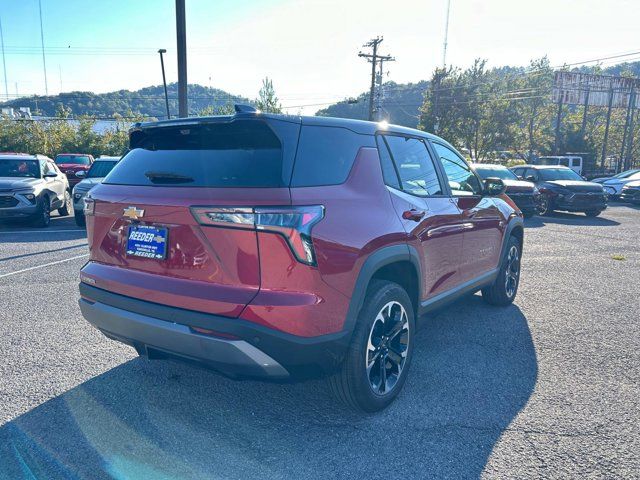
(618, 257)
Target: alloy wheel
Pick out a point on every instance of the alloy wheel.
(387, 348)
(512, 271)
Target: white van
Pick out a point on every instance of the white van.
(572, 161)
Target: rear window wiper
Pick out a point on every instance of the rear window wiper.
(167, 177)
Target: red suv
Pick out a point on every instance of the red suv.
(74, 165)
(286, 247)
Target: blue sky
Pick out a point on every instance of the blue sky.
(308, 47)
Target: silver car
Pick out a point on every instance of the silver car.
(31, 186)
(99, 169)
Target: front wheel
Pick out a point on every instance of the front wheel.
(43, 217)
(503, 290)
(593, 213)
(378, 359)
(80, 220)
(544, 206)
(66, 207)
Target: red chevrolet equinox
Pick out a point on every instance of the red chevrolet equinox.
(286, 247)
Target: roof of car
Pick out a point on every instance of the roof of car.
(358, 126)
(542, 167)
(487, 165)
(107, 159)
(74, 154)
(26, 156)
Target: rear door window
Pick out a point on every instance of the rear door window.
(326, 154)
(414, 165)
(241, 153)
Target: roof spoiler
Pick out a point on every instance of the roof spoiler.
(240, 108)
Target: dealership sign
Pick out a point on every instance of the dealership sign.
(571, 88)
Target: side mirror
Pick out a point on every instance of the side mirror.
(494, 186)
(50, 175)
(81, 173)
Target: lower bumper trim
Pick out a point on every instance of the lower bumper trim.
(234, 357)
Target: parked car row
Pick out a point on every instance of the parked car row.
(32, 186)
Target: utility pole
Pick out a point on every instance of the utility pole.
(584, 112)
(181, 33)
(374, 58)
(4, 64)
(556, 145)
(626, 128)
(446, 36)
(629, 157)
(164, 82)
(606, 130)
(44, 61)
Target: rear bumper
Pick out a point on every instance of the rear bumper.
(253, 350)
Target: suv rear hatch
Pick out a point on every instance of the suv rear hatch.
(173, 221)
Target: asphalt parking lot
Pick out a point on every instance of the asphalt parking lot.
(549, 387)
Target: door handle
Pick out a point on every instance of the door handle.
(413, 214)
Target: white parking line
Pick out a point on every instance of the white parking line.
(43, 265)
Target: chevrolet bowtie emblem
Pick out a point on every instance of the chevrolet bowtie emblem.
(133, 213)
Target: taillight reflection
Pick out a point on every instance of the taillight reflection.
(293, 223)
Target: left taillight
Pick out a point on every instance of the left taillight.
(293, 223)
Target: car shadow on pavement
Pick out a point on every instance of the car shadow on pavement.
(474, 369)
(577, 219)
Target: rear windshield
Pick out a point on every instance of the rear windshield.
(100, 169)
(73, 159)
(241, 153)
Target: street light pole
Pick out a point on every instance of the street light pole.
(164, 82)
(181, 34)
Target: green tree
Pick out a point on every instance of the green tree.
(267, 100)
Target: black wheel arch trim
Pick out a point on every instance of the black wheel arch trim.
(374, 262)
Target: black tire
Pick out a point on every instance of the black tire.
(593, 213)
(505, 287)
(66, 207)
(43, 217)
(353, 383)
(80, 220)
(545, 206)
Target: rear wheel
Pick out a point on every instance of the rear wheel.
(503, 290)
(43, 217)
(66, 207)
(378, 359)
(593, 213)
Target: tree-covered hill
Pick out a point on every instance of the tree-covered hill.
(147, 101)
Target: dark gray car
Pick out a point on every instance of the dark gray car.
(99, 169)
(31, 186)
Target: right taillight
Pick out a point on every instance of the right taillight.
(293, 223)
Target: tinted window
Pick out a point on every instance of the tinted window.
(388, 170)
(575, 162)
(414, 164)
(73, 159)
(462, 180)
(326, 154)
(100, 169)
(242, 153)
(19, 168)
